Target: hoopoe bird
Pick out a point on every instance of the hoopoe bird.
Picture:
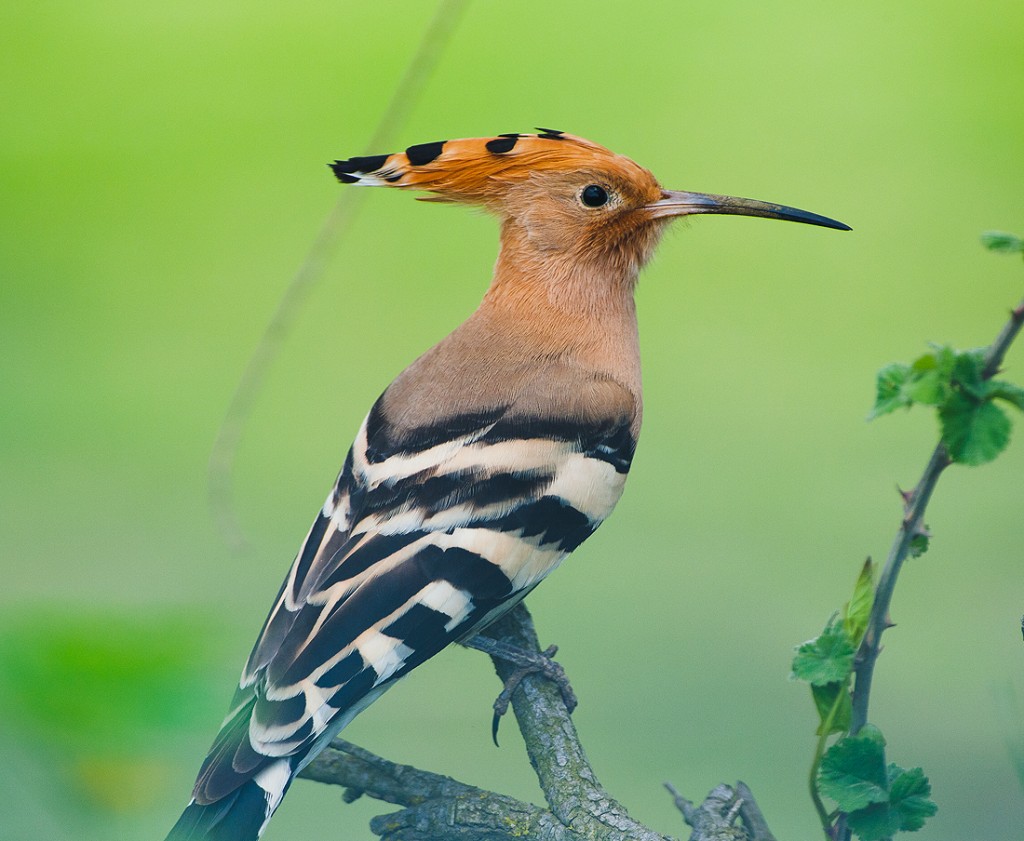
(480, 468)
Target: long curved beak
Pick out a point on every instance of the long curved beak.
(679, 203)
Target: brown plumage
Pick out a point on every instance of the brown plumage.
(485, 463)
(556, 331)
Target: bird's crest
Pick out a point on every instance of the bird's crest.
(478, 170)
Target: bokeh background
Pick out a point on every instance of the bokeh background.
(162, 178)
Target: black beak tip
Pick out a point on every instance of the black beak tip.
(818, 219)
(821, 221)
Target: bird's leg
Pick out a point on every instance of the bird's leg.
(527, 662)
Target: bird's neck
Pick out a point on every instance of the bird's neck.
(548, 338)
(582, 310)
(560, 282)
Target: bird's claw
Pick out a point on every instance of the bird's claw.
(527, 663)
(541, 664)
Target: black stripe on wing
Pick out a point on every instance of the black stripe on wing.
(608, 439)
(238, 815)
(323, 540)
(383, 440)
(361, 552)
(347, 584)
(377, 598)
(233, 760)
(432, 494)
(550, 519)
(310, 549)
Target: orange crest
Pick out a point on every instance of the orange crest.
(478, 170)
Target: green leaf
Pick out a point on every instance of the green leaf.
(929, 378)
(927, 362)
(973, 429)
(906, 809)
(910, 796)
(919, 544)
(1002, 242)
(967, 373)
(889, 394)
(833, 699)
(874, 822)
(825, 659)
(852, 771)
(1009, 392)
(945, 359)
(974, 433)
(858, 609)
(930, 388)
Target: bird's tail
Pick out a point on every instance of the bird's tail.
(242, 815)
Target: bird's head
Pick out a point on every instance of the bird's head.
(561, 195)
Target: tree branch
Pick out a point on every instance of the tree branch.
(566, 778)
(439, 808)
(435, 806)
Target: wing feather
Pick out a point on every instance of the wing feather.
(422, 540)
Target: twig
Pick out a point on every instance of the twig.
(435, 806)
(912, 522)
(911, 526)
(225, 447)
(751, 813)
(715, 818)
(997, 350)
(362, 772)
(684, 806)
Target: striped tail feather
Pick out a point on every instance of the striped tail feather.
(241, 815)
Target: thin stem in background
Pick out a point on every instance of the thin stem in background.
(225, 448)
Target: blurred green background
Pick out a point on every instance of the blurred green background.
(162, 177)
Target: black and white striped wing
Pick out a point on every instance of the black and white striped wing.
(420, 542)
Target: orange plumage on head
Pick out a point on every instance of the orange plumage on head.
(560, 197)
(480, 170)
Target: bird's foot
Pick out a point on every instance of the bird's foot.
(527, 663)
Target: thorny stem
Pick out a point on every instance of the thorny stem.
(996, 352)
(911, 525)
(879, 620)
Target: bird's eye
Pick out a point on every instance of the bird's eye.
(594, 195)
